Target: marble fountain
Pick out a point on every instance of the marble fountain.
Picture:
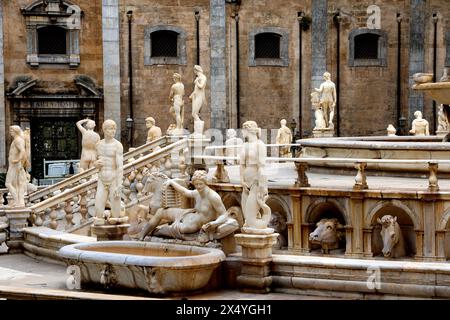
(158, 268)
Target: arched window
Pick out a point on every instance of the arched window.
(52, 40)
(164, 43)
(267, 45)
(367, 48)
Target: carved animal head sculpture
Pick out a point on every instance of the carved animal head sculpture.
(391, 235)
(326, 233)
(279, 224)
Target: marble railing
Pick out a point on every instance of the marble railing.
(82, 177)
(78, 197)
(360, 165)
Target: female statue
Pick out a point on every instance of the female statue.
(254, 184)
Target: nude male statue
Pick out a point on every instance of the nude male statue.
(176, 98)
(154, 132)
(328, 99)
(209, 214)
(88, 142)
(284, 136)
(110, 165)
(16, 177)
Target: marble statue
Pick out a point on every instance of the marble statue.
(16, 178)
(232, 143)
(176, 99)
(318, 113)
(154, 132)
(88, 143)
(393, 242)
(198, 98)
(208, 220)
(284, 136)
(443, 124)
(109, 185)
(420, 126)
(254, 184)
(328, 99)
(27, 136)
(444, 77)
(391, 131)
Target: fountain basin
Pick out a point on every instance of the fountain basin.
(378, 147)
(439, 91)
(158, 268)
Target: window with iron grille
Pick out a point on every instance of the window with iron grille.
(366, 46)
(267, 45)
(52, 40)
(164, 43)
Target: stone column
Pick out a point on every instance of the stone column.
(319, 37)
(416, 54)
(2, 99)
(447, 46)
(218, 65)
(17, 219)
(111, 62)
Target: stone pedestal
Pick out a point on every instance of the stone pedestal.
(110, 232)
(198, 129)
(17, 219)
(442, 133)
(323, 133)
(256, 258)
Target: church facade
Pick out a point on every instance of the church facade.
(61, 61)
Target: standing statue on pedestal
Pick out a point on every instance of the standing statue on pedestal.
(16, 177)
(109, 186)
(233, 144)
(154, 132)
(443, 125)
(177, 108)
(198, 98)
(328, 99)
(284, 136)
(88, 143)
(254, 184)
(420, 127)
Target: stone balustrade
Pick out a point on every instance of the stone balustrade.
(79, 195)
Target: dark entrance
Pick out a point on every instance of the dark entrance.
(52, 139)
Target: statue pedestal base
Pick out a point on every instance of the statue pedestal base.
(442, 133)
(110, 232)
(198, 129)
(17, 219)
(323, 133)
(256, 258)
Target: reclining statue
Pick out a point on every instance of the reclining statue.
(207, 221)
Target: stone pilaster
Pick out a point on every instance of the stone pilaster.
(319, 37)
(2, 99)
(218, 65)
(111, 62)
(17, 219)
(416, 54)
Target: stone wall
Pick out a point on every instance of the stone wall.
(152, 82)
(54, 79)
